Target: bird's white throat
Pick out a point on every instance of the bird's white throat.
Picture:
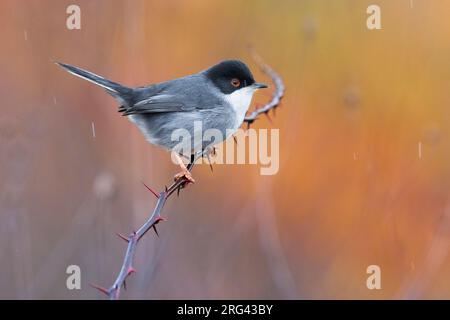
(240, 102)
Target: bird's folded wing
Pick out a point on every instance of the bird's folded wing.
(155, 104)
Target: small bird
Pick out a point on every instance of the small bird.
(217, 97)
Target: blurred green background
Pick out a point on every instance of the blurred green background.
(352, 190)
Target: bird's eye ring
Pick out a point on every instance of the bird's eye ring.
(235, 82)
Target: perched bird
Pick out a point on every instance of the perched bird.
(217, 97)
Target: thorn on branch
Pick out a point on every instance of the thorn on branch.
(151, 190)
(121, 236)
(99, 288)
(159, 219)
(210, 162)
(268, 116)
(156, 231)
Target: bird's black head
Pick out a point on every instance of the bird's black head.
(231, 75)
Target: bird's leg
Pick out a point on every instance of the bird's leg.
(235, 139)
(208, 152)
(185, 173)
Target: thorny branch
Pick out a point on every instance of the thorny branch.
(127, 268)
(276, 96)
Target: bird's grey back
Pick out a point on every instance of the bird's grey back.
(200, 103)
(193, 92)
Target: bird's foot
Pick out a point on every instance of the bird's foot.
(184, 174)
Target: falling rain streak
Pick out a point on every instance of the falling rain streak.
(93, 129)
(420, 150)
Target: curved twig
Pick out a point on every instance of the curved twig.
(276, 96)
(127, 268)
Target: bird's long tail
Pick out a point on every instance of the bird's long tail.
(121, 93)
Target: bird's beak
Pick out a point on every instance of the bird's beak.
(257, 85)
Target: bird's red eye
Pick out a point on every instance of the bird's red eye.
(235, 82)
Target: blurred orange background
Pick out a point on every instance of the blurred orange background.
(351, 191)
